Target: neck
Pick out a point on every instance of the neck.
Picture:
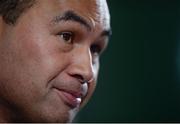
(4, 115)
(7, 112)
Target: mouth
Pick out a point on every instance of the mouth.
(71, 98)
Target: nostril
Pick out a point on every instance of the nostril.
(79, 77)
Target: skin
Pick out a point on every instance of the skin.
(42, 51)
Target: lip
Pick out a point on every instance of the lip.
(70, 98)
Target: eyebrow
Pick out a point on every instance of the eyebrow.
(72, 16)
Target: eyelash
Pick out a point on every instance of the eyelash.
(67, 36)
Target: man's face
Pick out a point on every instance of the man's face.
(49, 60)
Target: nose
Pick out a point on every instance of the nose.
(81, 66)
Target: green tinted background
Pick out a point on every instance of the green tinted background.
(138, 79)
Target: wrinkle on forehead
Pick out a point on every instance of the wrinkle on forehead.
(92, 22)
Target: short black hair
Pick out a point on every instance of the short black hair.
(10, 10)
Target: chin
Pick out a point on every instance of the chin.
(46, 118)
(46, 115)
(54, 116)
(66, 117)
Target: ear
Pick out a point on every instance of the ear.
(1, 27)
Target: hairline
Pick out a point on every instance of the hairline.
(12, 15)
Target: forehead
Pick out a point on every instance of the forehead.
(95, 11)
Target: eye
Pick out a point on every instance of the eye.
(67, 37)
(95, 49)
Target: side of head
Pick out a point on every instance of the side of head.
(49, 52)
(10, 10)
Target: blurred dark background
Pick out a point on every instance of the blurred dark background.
(139, 75)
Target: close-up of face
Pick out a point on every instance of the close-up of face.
(50, 59)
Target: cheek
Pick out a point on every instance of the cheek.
(27, 63)
(39, 56)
